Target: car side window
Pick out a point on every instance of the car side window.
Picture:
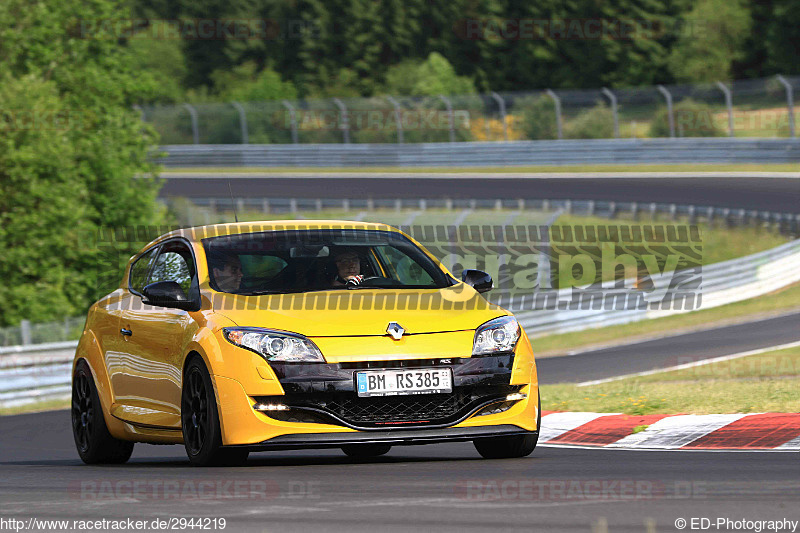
(403, 268)
(174, 263)
(140, 269)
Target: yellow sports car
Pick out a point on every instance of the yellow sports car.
(283, 335)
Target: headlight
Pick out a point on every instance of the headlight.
(275, 345)
(496, 336)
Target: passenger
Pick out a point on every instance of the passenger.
(227, 270)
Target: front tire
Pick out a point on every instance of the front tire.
(366, 450)
(92, 439)
(202, 437)
(510, 447)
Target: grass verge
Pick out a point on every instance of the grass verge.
(765, 382)
(717, 242)
(49, 405)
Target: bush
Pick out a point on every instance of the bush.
(594, 123)
(431, 77)
(537, 119)
(692, 119)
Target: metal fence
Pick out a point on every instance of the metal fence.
(28, 333)
(746, 108)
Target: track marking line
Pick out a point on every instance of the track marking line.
(692, 364)
(740, 321)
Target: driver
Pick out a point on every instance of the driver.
(348, 267)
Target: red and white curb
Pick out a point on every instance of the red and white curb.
(761, 431)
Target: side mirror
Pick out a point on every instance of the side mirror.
(167, 294)
(478, 279)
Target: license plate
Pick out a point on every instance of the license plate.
(395, 382)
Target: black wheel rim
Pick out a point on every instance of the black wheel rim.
(195, 412)
(82, 412)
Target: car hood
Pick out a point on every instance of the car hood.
(346, 313)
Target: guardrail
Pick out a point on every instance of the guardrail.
(41, 372)
(477, 154)
(786, 223)
(35, 373)
(722, 283)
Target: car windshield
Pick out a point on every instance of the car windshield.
(274, 262)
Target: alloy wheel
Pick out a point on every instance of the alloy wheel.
(82, 411)
(195, 398)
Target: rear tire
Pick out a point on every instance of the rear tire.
(366, 450)
(202, 437)
(92, 439)
(510, 447)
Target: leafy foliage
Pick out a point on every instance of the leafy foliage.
(537, 117)
(71, 147)
(432, 77)
(717, 29)
(344, 48)
(593, 123)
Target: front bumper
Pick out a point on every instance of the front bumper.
(326, 393)
(394, 437)
(323, 390)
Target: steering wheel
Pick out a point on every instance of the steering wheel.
(364, 282)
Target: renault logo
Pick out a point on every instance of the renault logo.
(395, 330)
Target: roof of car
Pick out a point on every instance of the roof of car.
(217, 230)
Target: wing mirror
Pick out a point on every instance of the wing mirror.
(478, 279)
(167, 294)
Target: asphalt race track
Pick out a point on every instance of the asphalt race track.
(669, 351)
(775, 194)
(443, 487)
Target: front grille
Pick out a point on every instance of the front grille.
(395, 409)
(403, 410)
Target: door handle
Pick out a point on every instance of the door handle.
(126, 332)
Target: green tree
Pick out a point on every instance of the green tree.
(164, 60)
(783, 37)
(431, 77)
(711, 42)
(244, 83)
(577, 44)
(63, 176)
(537, 117)
(594, 123)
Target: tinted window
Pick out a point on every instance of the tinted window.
(310, 260)
(139, 270)
(402, 267)
(174, 263)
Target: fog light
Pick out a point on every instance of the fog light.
(516, 396)
(271, 407)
